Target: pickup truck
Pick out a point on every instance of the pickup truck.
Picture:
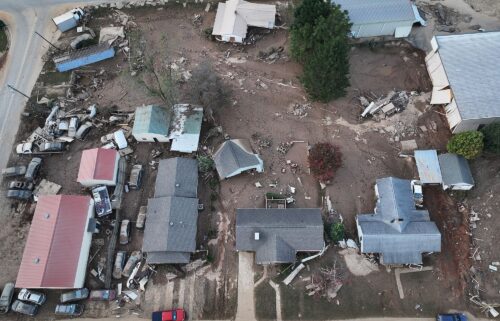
(169, 315)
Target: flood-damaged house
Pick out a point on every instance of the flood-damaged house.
(277, 235)
(151, 124)
(374, 18)
(98, 166)
(235, 16)
(58, 244)
(397, 231)
(236, 156)
(465, 78)
(82, 57)
(185, 127)
(172, 215)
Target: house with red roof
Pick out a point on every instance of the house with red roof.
(98, 166)
(57, 249)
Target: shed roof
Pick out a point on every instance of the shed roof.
(468, 61)
(151, 119)
(377, 11)
(97, 164)
(428, 166)
(52, 251)
(282, 233)
(455, 170)
(186, 127)
(177, 177)
(234, 155)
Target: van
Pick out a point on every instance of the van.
(6, 298)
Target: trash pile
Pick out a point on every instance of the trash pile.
(272, 55)
(394, 102)
(325, 283)
(299, 110)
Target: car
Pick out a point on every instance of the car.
(74, 310)
(119, 264)
(125, 232)
(14, 171)
(135, 257)
(73, 126)
(19, 194)
(102, 295)
(418, 196)
(31, 296)
(52, 147)
(24, 148)
(6, 298)
(33, 168)
(169, 315)
(24, 308)
(21, 185)
(75, 295)
(102, 203)
(451, 317)
(135, 179)
(83, 130)
(141, 217)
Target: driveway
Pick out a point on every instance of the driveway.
(246, 302)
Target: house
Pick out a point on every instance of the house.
(83, 57)
(185, 128)
(236, 156)
(172, 215)
(397, 230)
(235, 16)
(98, 166)
(374, 18)
(58, 244)
(428, 167)
(464, 78)
(456, 172)
(151, 124)
(277, 235)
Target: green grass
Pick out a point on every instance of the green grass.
(4, 42)
(265, 302)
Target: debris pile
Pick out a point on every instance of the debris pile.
(394, 102)
(299, 110)
(326, 283)
(272, 55)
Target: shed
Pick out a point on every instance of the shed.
(428, 166)
(185, 128)
(456, 172)
(83, 57)
(235, 16)
(277, 235)
(236, 156)
(463, 79)
(397, 230)
(177, 177)
(58, 244)
(98, 166)
(151, 124)
(373, 18)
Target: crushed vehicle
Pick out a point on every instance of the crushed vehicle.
(119, 264)
(19, 194)
(83, 130)
(74, 310)
(52, 147)
(73, 126)
(14, 171)
(25, 308)
(169, 315)
(135, 179)
(75, 295)
(141, 217)
(102, 295)
(125, 232)
(102, 202)
(33, 168)
(31, 296)
(418, 196)
(21, 185)
(135, 257)
(6, 298)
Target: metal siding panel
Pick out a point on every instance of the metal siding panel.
(85, 60)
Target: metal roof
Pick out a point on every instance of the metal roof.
(282, 233)
(377, 11)
(428, 166)
(151, 119)
(455, 170)
(177, 177)
(186, 127)
(98, 164)
(470, 62)
(235, 155)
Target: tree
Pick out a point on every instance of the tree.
(468, 144)
(324, 160)
(205, 164)
(207, 89)
(337, 232)
(491, 134)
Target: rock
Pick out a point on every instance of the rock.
(475, 27)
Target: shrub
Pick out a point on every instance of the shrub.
(205, 164)
(337, 232)
(324, 160)
(491, 134)
(468, 144)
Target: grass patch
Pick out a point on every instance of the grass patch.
(265, 302)
(54, 77)
(4, 42)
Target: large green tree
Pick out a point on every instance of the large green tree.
(491, 134)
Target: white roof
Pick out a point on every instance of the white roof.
(377, 11)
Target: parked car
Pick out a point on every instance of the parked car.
(24, 308)
(119, 264)
(73, 126)
(31, 296)
(418, 195)
(141, 217)
(21, 185)
(33, 168)
(102, 295)
(451, 317)
(75, 295)
(169, 315)
(135, 179)
(52, 147)
(6, 298)
(14, 171)
(125, 232)
(19, 194)
(83, 130)
(135, 257)
(74, 310)
(24, 148)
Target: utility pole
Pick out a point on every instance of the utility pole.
(50, 43)
(17, 91)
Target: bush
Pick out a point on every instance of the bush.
(468, 144)
(324, 160)
(491, 134)
(207, 89)
(205, 164)
(337, 232)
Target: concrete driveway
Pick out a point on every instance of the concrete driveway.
(246, 301)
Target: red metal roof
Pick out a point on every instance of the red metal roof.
(97, 164)
(52, 250)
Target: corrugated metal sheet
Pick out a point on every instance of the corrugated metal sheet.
(52, 250)
(428, 166)
(83, 57)
(376, 11)
(97, 164)
(455, 170)
(151, 119)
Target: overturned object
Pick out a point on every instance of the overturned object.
(236, 156)
(109, 35)
(83, 57)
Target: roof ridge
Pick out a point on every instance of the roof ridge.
(51, 238)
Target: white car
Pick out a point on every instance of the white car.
(418, 195)
(32, 297)
(24, 148)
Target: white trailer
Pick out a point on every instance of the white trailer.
(68, 20)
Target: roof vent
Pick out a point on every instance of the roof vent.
(36, 260)
(256, 236)
(177, 184)
(171, 224)
(46, 216)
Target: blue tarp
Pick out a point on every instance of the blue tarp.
(83, 57)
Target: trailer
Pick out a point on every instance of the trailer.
(68, 20)
(83, 57)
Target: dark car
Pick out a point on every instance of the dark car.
(135, 180)
(21, 185)
(75, 295)
(14, 171)
(52, 147)
(6, 298)
(74, 310)
(33, 168)
(169, 315)
(24, 308)
(19, 194)
(451, 317)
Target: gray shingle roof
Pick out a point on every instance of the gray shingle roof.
(469, 61)
(168, 257)
(397, 230)
(455, 170)
(177, 177)
(375, 11)
(233, 156)
(282, 233)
